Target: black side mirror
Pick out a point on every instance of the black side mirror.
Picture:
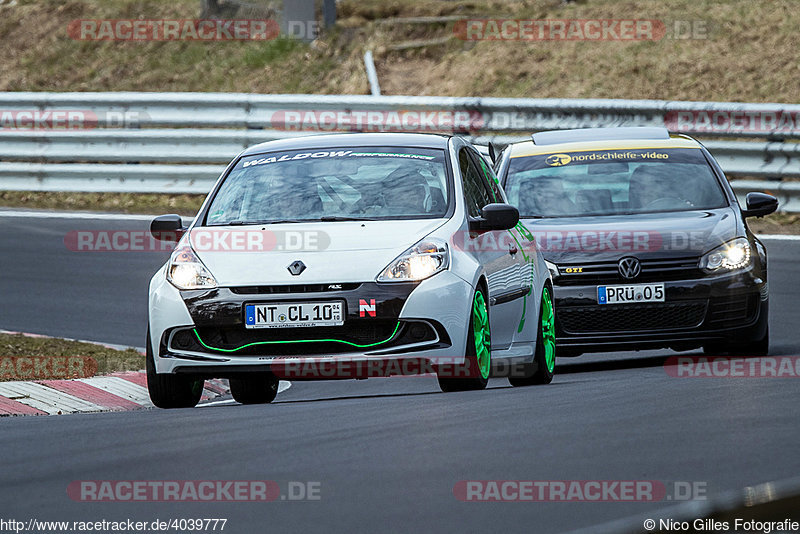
(167, 227)
(759, 204)
(496, 217)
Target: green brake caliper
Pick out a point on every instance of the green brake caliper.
(483, 337)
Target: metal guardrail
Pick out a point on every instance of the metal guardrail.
(237, 110)
(180, 142)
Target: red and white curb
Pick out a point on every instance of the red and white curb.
(123, 391)
(116, 392)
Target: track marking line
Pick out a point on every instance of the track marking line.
(75, 215)
(217, 403)
(779, 237)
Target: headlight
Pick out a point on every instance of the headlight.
(553, 268)
(732, 255)
(424, 259)
(186, 271)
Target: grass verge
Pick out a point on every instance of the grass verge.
(185, 205)
(736, 51)
(777, 223)
(22, 358)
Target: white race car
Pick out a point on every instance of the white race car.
(349, 256)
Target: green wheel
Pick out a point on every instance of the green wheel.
(544, 360)
(474, 372)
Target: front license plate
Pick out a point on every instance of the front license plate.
(632, 293)
(296, 314)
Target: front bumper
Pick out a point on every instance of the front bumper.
(727, 307)
(414, 326)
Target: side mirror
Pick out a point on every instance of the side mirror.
(759, 204)
(167, 227)
(496, 217)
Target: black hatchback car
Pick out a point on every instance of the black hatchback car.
(645, 240)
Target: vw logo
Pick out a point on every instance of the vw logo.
(629, 267)
(296, 267)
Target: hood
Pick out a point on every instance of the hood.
(332, 252)
(646, 236)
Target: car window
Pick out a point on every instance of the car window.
(366, 182)
(476, 192)
(499, 160)
(612, 182)
(489, 176)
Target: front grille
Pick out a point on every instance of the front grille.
(734, 310)
(608, 272)
(316, 340)
(293, 288)
(630, 317)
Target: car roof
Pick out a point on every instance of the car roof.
(340, 140)
(529, 148)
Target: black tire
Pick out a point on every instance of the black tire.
(168, 390)
(466, 376)
(536, 373)
(258, 389)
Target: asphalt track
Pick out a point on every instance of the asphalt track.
(387, 453)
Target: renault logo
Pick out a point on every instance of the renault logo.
(297, 267)
(629, 267)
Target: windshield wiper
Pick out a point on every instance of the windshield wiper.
(327, 218)
(324, 218)
(256, 223)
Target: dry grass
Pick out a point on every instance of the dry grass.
(749, 55)
(777, 223)
(108, 360)
(186, 205)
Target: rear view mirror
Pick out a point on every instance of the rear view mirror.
(167, 227)
(759, 204)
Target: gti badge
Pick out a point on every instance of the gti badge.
(629, 267)
(297, 267)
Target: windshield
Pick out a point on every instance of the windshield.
(374, 183)
(612, 182)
